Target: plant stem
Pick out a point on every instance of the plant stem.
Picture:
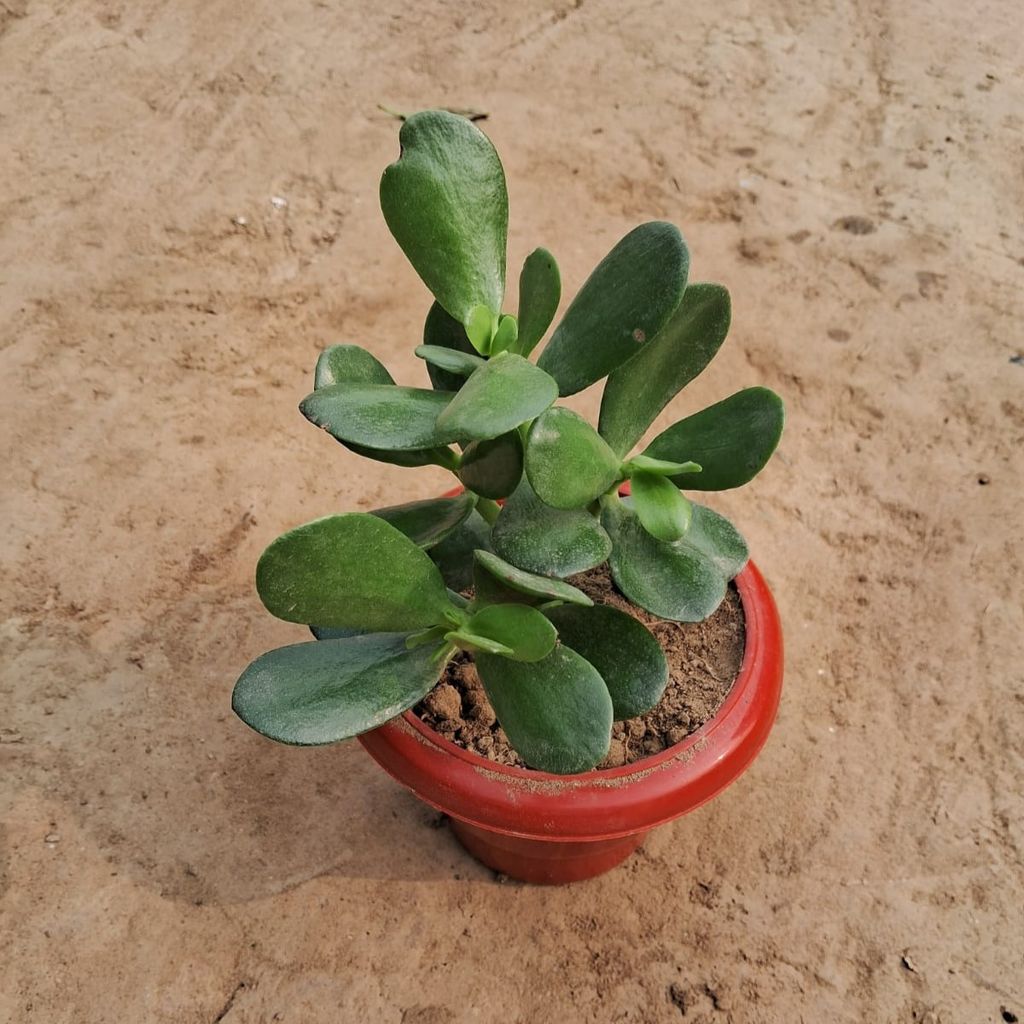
(490, 510)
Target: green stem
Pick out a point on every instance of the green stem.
(489, 509)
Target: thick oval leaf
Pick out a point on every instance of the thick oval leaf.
(441, 456)
(625, 302)
(441, 330)
(622, 649)
(556, 712)
(718, 539)
(454, 555)
(445, 202)
(467, 641)
(523, 630)
(639, 389)
(428, 522)
(378, 416)
(493, 468)
(335, 632)
(676, 581)
(732, 440)
(354, 571)
(459, 364)
(490, 570)
(643, 464)
(328, 690)
(504, 339)
(504, 392)
(567, 462)
(349, 363)
(546, 540)
(540, 290)
(661, 509)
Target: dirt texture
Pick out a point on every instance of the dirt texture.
(704, 659)
(188, 214)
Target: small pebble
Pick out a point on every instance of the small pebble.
(52, 837)
(278, 202)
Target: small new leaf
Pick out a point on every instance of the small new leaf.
(661, 508)
(540, 288)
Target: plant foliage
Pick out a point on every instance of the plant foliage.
(392, 594)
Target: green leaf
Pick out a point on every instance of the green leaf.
(556, 712)
(506, 391)
(504, 339)
(335, 633)
(540, 289)
(568, 463)
(441, 330)
(454, 555)
(480, 326)
(354, 571)
(428, 522)
(489, 570)
(467, 641)
(493, 468)
(625, 302)
(546, 540)
(378, 416)
(460, 364)
(328, 690)
(732, 440)
(440, 456)
(625, 652)
(677, 581)
(349, 364)
(639, 389)
(662, 510)
(643, 464)
(445, 202)
(718, 539)
(525, 632)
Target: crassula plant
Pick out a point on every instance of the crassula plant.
(394, 594)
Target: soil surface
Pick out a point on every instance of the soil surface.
(704, 659)
(189, 213)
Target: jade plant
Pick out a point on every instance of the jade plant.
(391, 596)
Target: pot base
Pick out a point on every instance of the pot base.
(543, 862)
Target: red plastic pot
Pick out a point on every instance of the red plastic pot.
(563, 828)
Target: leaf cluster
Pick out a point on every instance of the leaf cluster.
(393, 594)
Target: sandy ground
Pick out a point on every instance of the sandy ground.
(852, 175)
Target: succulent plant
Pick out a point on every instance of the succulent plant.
(392, 595)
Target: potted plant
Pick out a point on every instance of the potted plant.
(394, 596)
